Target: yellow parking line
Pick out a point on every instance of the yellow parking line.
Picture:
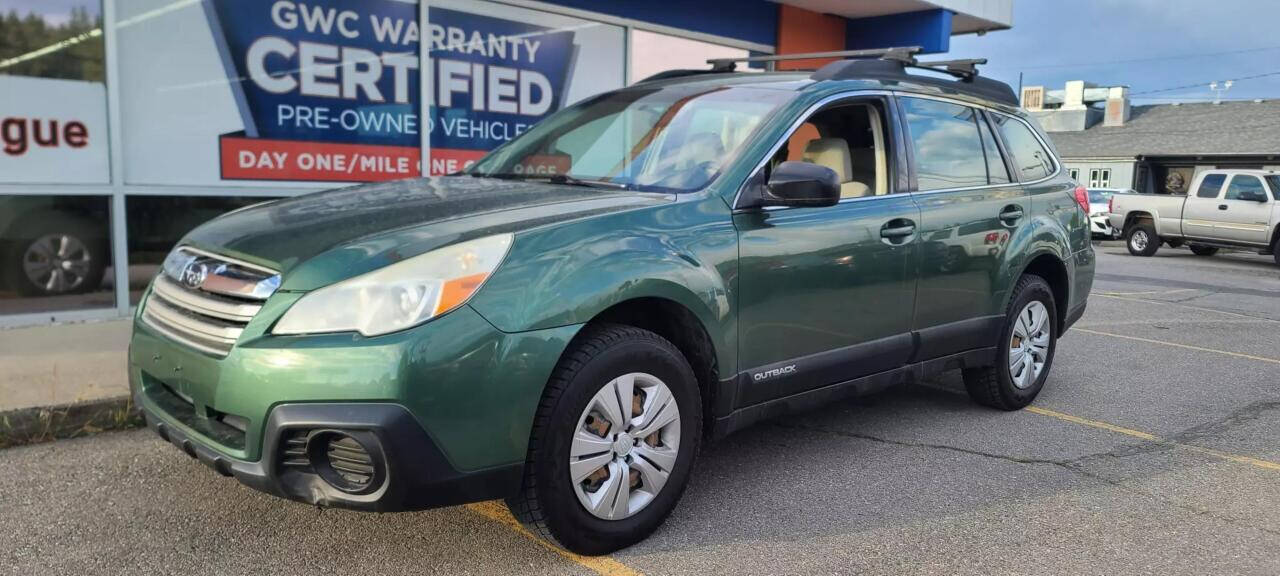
(1153, 438)
(1181, 305)
(1184, 346)
(602, 565)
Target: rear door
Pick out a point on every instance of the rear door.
(1244, 213)
(1201, 208)
(969, 209)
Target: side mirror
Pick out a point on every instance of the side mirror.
(801, 184)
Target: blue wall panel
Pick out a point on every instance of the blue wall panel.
(929, 29)
(748, 20)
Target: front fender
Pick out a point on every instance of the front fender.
(568, 274)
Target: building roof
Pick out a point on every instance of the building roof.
(1202, 129)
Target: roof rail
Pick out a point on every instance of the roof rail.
(895, 69)
(901, 53)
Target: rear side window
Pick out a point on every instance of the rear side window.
(1274, 182)
(1241, 184)
(997, 173)
(1211, 186)
(1030, 160)
(948, 149)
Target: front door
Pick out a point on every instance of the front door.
(1200, 210)
(1245, 211)
(826, 294)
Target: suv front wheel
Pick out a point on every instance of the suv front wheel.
(1025, 350)
(613, 442)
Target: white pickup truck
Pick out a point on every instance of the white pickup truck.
(1222, 209)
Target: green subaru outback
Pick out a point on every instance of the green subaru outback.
(564, 323)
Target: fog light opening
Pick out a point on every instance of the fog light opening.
(348, 461)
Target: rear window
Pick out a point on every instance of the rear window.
(1030, 159)
(1274, 183)
(1211, 186)
(948, 150)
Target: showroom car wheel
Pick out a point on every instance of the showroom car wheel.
(56, 254)
(1143, 240)
(613, 441)
(1026, 346)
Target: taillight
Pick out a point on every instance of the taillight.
(1082, 198)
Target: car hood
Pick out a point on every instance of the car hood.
(317, 239)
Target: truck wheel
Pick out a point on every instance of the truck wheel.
(1142, 239)
(613, 442)
(52, 254)
(1202, 250)
(1025, 347)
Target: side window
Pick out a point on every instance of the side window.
(997, 173)
(1211, 185)
(1244, 184)
(1274, 181)
(948, 149)
(1030, 160)
(848, 139)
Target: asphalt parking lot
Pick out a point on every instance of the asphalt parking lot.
(1155, 448)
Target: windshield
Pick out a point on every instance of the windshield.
(666, 138)
(1099, 196)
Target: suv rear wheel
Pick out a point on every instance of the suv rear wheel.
(613, 442)
(1142, 239)
(1026, 348)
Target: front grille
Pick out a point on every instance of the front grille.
(204, 301)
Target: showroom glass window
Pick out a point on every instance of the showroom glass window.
(55, 249)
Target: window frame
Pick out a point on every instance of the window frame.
(1074, 174)
(1226, 187)
(1099, 178)
(893, 134)
(1053, 157)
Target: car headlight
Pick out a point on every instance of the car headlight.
(401, 295)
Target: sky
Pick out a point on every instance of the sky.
(55, 12)
(1148, 45)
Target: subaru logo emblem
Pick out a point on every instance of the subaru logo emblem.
(194, 274)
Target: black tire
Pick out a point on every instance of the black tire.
(1202, 250)
(31, 229)
(547, 504)
(1144, 235)
(993, 386)
(1275, 249)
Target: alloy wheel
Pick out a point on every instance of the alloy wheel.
(1139, 240)
(625, 446)
(1029, 345)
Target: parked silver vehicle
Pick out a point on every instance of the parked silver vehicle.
(1100, 212)
(1223, 209)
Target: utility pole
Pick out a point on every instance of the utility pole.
(1219, 91)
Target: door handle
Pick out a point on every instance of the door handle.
(1011, 214)
(897, 230)
(1222, 206)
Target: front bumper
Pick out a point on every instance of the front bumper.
(416, 473)
(449, 404)
(1100, 225)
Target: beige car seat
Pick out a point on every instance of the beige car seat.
(834, 154)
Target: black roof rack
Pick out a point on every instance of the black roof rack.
(880, 64)
(893, 69)
(902, 53)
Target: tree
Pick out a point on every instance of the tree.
(76, 45)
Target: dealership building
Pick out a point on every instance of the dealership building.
(125, 123)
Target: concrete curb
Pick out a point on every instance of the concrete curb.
(42, 424)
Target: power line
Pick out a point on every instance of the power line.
(1203, 84)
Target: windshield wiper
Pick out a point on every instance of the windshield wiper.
(563, 179)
